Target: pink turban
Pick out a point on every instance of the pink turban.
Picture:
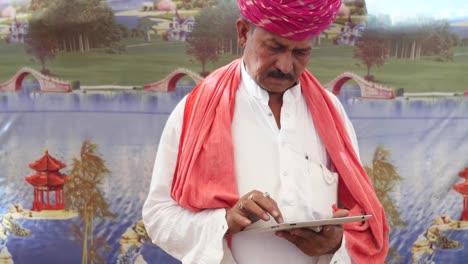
(292, 19)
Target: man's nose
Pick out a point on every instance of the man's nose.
(284, 62)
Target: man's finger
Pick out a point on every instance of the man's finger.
(241, 220)
(269, 205)
(328, 232)
(288, 236)
(236, 220)
(333, 231)
(306, 233)
(251, 207)
(340, 213)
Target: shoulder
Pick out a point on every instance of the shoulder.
(346, 121)
(177, 115)
(336, 102)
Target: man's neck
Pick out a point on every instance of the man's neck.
(276, 102)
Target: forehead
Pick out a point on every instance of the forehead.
(264, 36)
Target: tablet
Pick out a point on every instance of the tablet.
(271, 225)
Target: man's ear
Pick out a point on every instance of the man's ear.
(242, 32)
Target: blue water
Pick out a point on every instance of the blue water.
(49, 239)
(428, 144)
(453, 255)
(125, 125)
(121, 5)
(427, 140)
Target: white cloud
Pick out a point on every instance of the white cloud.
(401, 10)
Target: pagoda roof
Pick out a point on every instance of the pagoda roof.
(464, 173)
(461, 188)
(50, 179)
(47, 163)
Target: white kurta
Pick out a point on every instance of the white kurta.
(290, 163)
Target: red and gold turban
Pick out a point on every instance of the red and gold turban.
(292, 19)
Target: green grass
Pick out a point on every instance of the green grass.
(137, 66)
(12, 58)
(150, 62)
(414, 76)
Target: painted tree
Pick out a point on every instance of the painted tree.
(413, 39)
(204, 45)
(371, 50)
(384, 178)
(40, 44)
(145, 25)
(214, 33)
(439, 41)
(464, 42)
(80, 25)
(36, 5)
(186, 4)
(83, 194)
(227, 29)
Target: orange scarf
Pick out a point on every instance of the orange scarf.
(204, 177)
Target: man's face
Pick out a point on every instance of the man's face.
(274, 62)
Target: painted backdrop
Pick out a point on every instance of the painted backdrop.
(83, 103)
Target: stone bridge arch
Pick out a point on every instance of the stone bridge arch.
(168, 84)
(368, 89)
(46, 83)
(20, 77)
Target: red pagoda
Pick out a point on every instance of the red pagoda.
(462, 188)
(48, 183)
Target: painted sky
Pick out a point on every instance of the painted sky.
(399, 10)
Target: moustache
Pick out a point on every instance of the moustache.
(281, 75)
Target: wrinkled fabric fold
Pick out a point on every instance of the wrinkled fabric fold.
(204, 177)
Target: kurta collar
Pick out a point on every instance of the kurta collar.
(259, 93)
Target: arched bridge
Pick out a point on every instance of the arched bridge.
(368, 89)
(168, 84)
(46, 83)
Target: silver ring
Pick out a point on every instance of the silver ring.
(266, 194)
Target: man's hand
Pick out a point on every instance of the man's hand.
(251, 207)
(312, 243)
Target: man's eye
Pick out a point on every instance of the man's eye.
(301, 52)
